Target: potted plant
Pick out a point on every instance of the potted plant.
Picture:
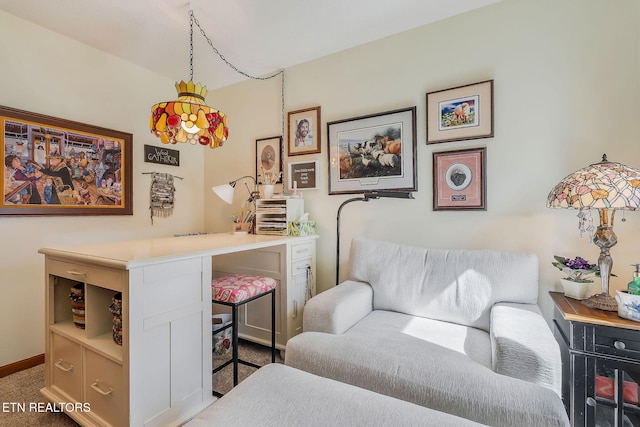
(579, 276)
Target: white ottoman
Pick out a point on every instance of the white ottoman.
(279, 396)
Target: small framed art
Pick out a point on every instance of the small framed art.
(303, 175)
(304, 132)
(459, 180)
(269, 160)
(460, 113)
(374, 152)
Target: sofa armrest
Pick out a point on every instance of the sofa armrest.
(523, 346)
(336, 310)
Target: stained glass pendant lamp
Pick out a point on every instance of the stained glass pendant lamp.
(608, 187)
(188, 118)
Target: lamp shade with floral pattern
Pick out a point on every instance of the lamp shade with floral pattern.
(188, 118)
(603, 185)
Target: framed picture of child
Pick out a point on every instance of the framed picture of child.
(55, 166)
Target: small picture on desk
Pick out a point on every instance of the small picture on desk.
(58, 167)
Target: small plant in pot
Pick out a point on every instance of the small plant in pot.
(578, 281)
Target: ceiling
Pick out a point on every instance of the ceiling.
(257, 36)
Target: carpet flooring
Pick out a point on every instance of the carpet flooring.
(24, 388)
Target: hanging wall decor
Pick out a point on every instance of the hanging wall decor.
(304, 132)
(269, 160)
(59, 167)
(459, 180)
(160, 155)
(161, 194)
(303, 175)
(373, 153)
(460, 113)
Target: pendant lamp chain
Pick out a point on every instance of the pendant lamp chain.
(191, 45)
(280, 73)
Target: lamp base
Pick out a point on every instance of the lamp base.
(602, 302)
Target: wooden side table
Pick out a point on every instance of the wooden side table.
(600, 364)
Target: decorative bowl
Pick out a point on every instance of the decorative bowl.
(628, 305)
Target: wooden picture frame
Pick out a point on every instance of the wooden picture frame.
(304, 132)
(459, 180)
(305, 175)
(269, 160)
(54, 166)
(460, 113)
(374, 152)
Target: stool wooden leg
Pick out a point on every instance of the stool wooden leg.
(273, 326)
(234, 322)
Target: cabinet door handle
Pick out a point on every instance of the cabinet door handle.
(591, 402)
(96, 387)
(77, 273)
(295, 309)
(60, 365)
(619, 345)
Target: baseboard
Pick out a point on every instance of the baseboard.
(20, 365)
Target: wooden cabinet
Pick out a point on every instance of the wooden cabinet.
(161, 374)
(600, 364)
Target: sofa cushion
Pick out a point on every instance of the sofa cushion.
(423, 340)
(458, 286)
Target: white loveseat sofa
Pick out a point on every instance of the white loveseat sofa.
(458, 331)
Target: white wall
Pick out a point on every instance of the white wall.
(566, 80)
(46, 73)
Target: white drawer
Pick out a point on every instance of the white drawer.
(302, 250)
(300, 267)
(66, 357)
(101, 276)
(104, 389)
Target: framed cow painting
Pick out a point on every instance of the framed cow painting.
(374, 152)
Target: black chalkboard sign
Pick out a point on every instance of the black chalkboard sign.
(303, 175)
(161, 155)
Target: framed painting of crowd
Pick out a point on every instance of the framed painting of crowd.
(54, 166)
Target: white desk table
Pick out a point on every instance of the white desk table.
(161, 374)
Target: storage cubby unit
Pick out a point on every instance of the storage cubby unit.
(273, 215)
(62, 315)
(84, 364)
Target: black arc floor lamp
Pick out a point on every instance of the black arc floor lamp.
(368, 195)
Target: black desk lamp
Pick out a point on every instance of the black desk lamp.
(368, 195)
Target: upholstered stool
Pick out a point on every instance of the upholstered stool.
(233, 291)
